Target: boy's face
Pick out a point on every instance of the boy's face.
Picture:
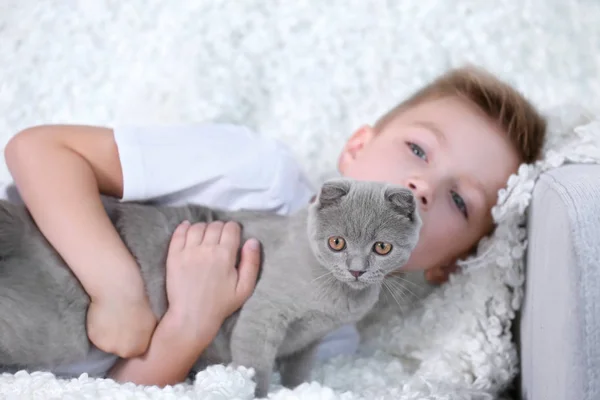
(453, 158)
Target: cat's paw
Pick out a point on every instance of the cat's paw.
(290, 380)
(263, 382)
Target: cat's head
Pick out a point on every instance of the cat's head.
(360, 231)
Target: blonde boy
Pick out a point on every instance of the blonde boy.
(454, 143)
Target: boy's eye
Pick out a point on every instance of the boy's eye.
(460, 203)
(417, 150)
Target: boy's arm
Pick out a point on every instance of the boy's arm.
(203, 288)
(60, 171)
(170, 357)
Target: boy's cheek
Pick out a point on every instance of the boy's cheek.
(424, 255)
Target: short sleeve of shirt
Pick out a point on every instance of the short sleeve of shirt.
(218, 165)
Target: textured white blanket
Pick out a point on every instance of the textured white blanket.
(308, 72)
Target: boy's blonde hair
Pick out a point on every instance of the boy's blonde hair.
(501, 103)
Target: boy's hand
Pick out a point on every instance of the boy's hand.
(121, 326)
(439, 275)
(203, 284)
(203, 288)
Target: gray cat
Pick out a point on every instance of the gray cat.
(322, 267)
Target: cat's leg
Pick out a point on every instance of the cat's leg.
(256, 338)
(295, 368)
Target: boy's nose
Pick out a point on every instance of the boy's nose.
(422, 192)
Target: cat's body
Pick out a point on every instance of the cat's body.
(302, 294)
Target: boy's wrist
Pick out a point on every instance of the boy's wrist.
(195, 335)
(125, 285)
(173, 351)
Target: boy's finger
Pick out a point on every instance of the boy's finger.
(195, 234)
(213, 232)
(179, 236)
(248, 269)
(452, 268)
(439, 275)
(435, 276)
(230, 236)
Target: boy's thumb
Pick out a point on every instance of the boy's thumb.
(248, 268)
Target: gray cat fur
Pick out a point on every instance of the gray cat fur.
(304, 290)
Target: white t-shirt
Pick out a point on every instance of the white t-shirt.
(224, 166)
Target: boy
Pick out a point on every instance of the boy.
(454, 143)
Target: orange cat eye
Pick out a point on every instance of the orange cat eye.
(337, 243)
(382, 248)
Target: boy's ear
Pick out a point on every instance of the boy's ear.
(355, 144)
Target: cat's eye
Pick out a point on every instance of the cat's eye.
(382, 248)
(337, 243)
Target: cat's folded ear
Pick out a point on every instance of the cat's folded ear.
(402, 200)
(332, 191)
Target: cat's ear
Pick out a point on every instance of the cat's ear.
(402, 200)
(332, 192)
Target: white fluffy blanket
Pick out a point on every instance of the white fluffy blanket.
(308, 72)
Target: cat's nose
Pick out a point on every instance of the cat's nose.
(356, 274)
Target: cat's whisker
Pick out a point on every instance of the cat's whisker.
(398, 280)
(398, 276)
(318, 284)
(397, 290)
(402, 290)
(386, 285)
(408, 296)
(321, 287)
(325, 288)
(322, 276)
